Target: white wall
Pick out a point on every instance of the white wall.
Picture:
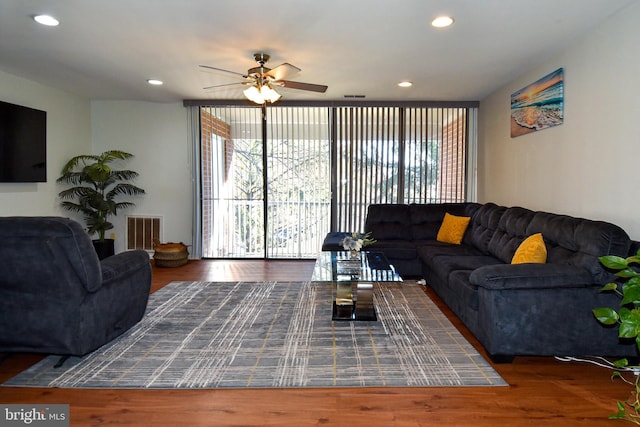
(589, 165)
(68, 134)
(156, 134)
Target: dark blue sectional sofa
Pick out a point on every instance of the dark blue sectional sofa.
(513, 309)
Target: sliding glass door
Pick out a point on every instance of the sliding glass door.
(298, 181)
(232, 183)
(265, 185)
(275, 180)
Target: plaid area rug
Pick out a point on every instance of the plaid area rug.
(275, 334)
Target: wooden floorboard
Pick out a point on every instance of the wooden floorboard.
(542, 391)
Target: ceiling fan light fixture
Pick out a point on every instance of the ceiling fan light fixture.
(262, 95)
(262, 79)
(269, 94)
(253, 94)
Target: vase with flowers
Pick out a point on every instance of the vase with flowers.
(356, 241)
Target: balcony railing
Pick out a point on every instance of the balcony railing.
(236, 229)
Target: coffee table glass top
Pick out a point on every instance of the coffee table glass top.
(342, 266)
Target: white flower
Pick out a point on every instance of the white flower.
(356, 241)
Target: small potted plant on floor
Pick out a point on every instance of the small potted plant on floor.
(95, 188)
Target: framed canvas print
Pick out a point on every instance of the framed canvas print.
(539, 105)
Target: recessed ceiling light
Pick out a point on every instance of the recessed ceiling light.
(155, 82)
(442, 21)
(405, 84)
(47, 20)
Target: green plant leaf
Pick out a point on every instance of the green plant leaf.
(630, 294)
(613, 262)
(609, 287)
(620, 363)
(633, 281)
(606, 315)
(627, 272)
(629, 322)
(629, 315)
(628, 330)
(621, 414)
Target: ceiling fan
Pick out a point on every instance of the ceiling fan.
(262, 79)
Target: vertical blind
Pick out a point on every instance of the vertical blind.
(397, 155)
(367, 150)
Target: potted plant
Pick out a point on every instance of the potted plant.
(628, 320)
(95, 187)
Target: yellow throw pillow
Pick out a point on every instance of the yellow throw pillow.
(452, 228)
(531, 250)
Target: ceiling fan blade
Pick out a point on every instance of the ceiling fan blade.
(226, 71)
(282, 71)
(226, 84)
(303, 86)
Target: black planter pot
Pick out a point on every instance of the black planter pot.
(104, 248)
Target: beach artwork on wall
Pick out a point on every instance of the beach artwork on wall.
(539, 105)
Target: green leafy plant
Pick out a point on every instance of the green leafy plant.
(95, 188)
(628, 320)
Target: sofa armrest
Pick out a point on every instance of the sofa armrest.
(530, 276)
(124, 264)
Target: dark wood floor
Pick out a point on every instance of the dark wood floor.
(542, 391)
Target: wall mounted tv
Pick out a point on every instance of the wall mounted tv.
(23, 144)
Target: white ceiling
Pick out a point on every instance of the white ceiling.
(108, 49)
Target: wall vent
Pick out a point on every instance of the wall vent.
(142, 231)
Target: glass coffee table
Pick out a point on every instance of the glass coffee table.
(353, 278)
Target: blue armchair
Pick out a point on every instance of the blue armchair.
(56, 297)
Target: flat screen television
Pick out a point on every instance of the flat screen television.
(23, 144)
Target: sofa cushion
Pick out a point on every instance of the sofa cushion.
(531, 276)
(464, 290)
(531, 250)
(579, 242)
(431, 248)
(483, 225)
(427, 218)
(388, 222)
(511, 231)
(394, 249)
(452, 228)
(62, 244)
(333, 241)
(444, 265)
